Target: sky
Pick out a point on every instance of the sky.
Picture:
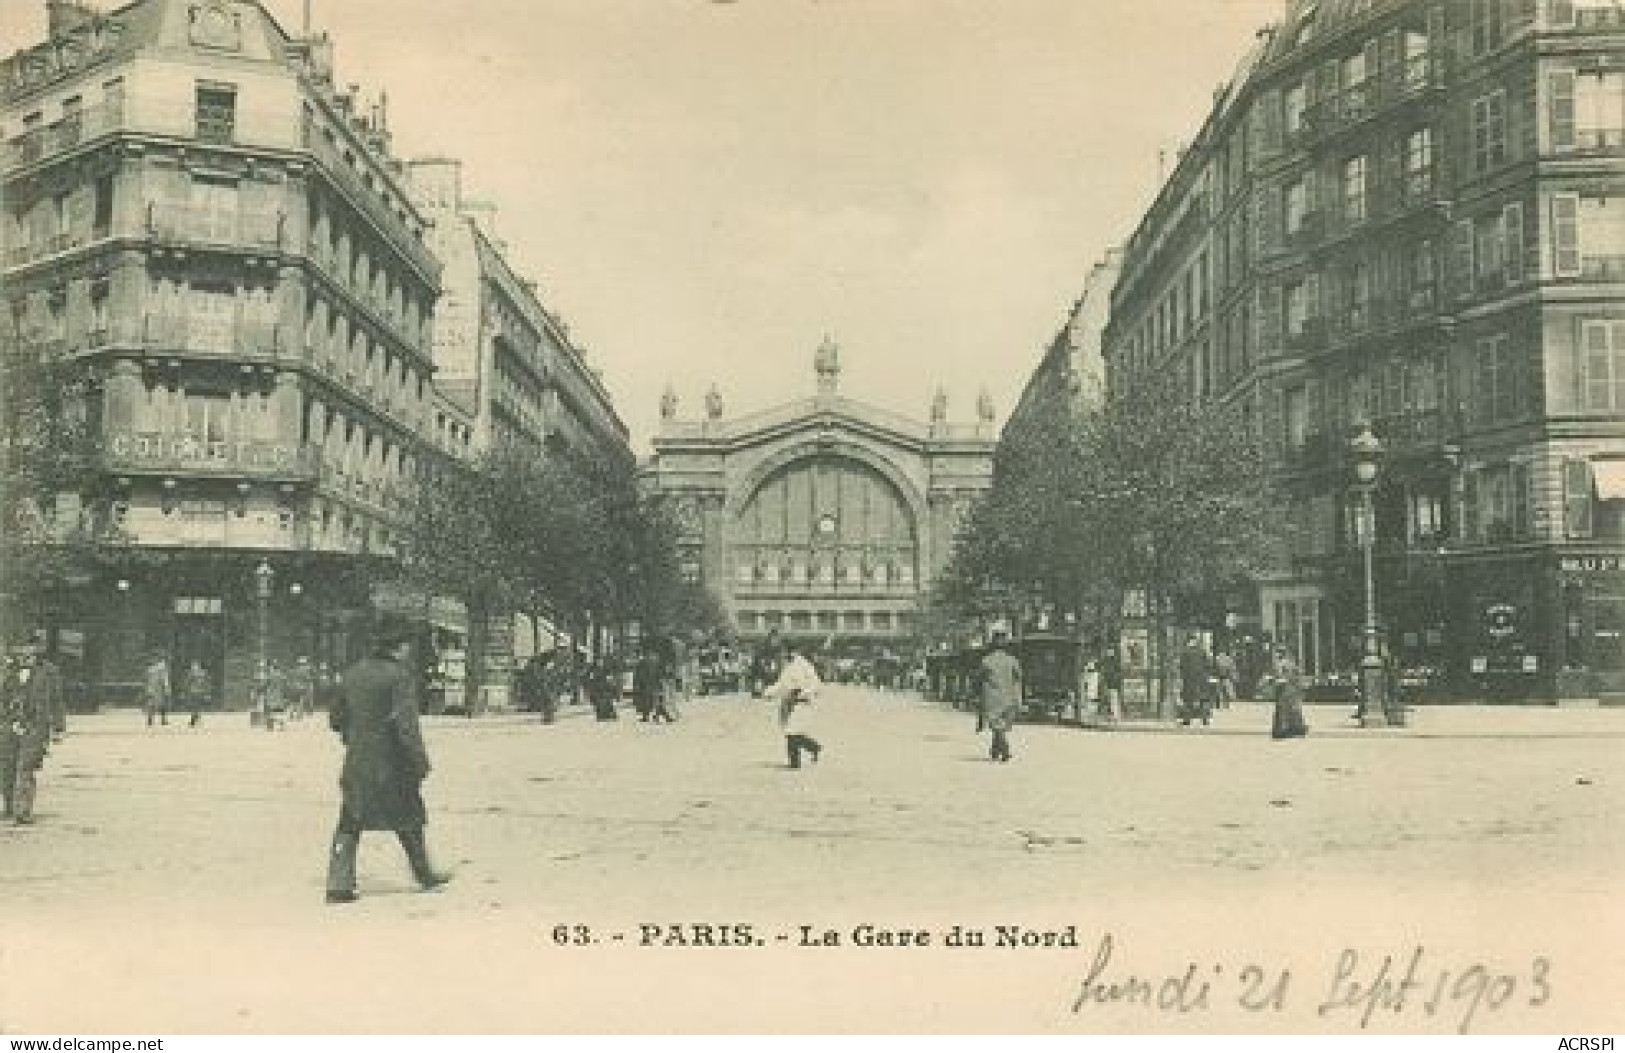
(704, 188)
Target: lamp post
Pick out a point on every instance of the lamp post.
(1365, 450)
(263, 575)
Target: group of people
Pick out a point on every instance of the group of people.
(290, 693)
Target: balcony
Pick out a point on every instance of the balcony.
(188, 225)
(1417, 428)
(181, 453)
(1420, 74)
(209, 335)
(56, 244)
(397, 233)
(43, 143)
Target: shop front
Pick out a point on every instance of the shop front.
(1591, 636)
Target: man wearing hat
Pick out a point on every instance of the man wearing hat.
(385, 763)
(32, 706)
(1000, 675)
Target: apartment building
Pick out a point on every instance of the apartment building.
(198, 216)
(1411, 214)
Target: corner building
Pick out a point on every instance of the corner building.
(1412, 213)
(199, 217)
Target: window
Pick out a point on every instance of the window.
(1353, 77)
(1602, 366)
(1488, 243)
(1424, 519)
(1486, 23)
(216, 113)
(1295, 416)
(1298, 203)
(1302, 304)
(211, 317)
(1416, 59)
(1496, 503)
(1495, 381)
(208, 417)
(1578, 498)
(1490, 131)
(1419, 166)
(1359, 294)
(1294, 101)
(1602, 237)
(1586, 111)
(1512, 243)
(1354, 190)
(1422, 275)
(1588, 237)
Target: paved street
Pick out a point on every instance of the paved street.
(173, 883)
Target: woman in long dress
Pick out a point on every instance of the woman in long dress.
(1285, 687)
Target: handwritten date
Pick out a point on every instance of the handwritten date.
(1357, 989)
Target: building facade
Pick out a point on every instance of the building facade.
(825, 519)
(1074, 365)
(196, 215)
(1408, 214)
(508, 362)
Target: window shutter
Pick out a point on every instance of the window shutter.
(1577, 494)
(1518, 480)
(1469, 507)
(1512, 244)
(1269, 318)
(1311, 296)
(1566, 235)
(1560, 88)
(1462, 261)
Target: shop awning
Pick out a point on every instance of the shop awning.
(1610, 479)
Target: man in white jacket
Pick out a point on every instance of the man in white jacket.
(796, 691)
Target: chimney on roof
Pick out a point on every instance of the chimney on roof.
(64, 16)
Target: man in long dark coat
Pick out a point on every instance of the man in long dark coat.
(1195, 683)
(32, 707)
(385, 763)
(1000, 676)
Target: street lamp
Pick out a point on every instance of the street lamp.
(1365, 450)
(263, 574)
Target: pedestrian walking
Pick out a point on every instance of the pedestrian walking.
(32, 708)
(301, 689)
(1089, 691)
(156, 689)
(1195, 684)
(385, 763)
(604, 688)
(665, 671)
(1111, 684)
(1000, 676)
(1284, 687)
(1224, 678)
(198, 690)
(796, 691)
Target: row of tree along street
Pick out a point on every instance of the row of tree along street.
(574, 544)
(1152, 501)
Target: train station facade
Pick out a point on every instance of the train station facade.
(824, 519)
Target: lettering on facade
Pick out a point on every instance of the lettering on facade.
(185, 449)
(1593, 564)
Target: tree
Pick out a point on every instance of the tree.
(53, 511)
(1155, 490)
